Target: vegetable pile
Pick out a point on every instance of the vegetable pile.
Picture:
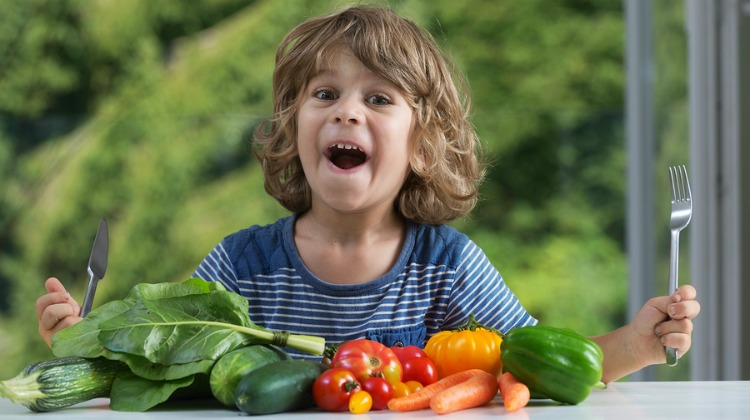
(162, 336)
(195, 338)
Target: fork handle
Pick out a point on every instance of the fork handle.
(674, 259)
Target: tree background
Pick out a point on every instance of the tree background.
(142, 111)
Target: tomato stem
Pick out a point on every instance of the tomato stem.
(350, 386)
(472, 324)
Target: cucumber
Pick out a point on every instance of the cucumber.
(233, 366)
(278, 387)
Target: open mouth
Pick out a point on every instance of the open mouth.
(346, 156)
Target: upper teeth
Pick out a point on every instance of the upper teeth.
(345, 146)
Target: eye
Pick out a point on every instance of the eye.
(324, 94)
(379, 100)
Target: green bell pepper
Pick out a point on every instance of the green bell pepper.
(557, 363)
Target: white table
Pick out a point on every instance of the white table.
(621, 400)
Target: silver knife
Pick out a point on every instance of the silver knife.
(97, 265)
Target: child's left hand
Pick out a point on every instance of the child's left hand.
(664, 321)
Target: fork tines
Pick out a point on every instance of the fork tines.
(678, 178)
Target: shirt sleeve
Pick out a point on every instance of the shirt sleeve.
(217, 266)
(480, 290)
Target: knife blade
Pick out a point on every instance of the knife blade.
(97, 265)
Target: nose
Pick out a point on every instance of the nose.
(348, 111)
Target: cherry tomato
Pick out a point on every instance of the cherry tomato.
(408, 352)
(413, 386)
(380, 390)
(400, 389)
(420, 369)
(360, 402)
(333, 388)
(366, 359)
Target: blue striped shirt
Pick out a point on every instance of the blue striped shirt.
(441, 277)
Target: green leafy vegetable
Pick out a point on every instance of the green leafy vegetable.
(133, 393)
(82, 339)
(157, 371)
(167, 333)
(181, 329)
(155, 320)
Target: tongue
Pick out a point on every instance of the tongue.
(347, 162)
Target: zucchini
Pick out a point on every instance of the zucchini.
(61, 382)
(558, 363)
(278, 387)
(231, 367)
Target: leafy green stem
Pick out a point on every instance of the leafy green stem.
(306, 343)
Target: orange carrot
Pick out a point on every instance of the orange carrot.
(514, 392)
(473, 392)
(421, 399)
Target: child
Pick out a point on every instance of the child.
(371, 150)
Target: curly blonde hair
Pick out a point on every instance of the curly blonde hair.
(445, 168)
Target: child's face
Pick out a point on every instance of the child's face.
(354, 134)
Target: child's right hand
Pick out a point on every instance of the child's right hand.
(56, 310)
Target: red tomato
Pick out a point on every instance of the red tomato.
(380, 391)
(366, 359)
(420, 369)
(408, 352)
(332, 389)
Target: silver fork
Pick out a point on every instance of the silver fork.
(682, 210)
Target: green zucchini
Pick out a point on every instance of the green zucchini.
(555, 362)
(233, 366)
(278, 387)
(61, 382)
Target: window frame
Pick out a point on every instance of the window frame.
(719, 240)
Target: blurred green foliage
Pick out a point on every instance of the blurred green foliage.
(142, 111)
